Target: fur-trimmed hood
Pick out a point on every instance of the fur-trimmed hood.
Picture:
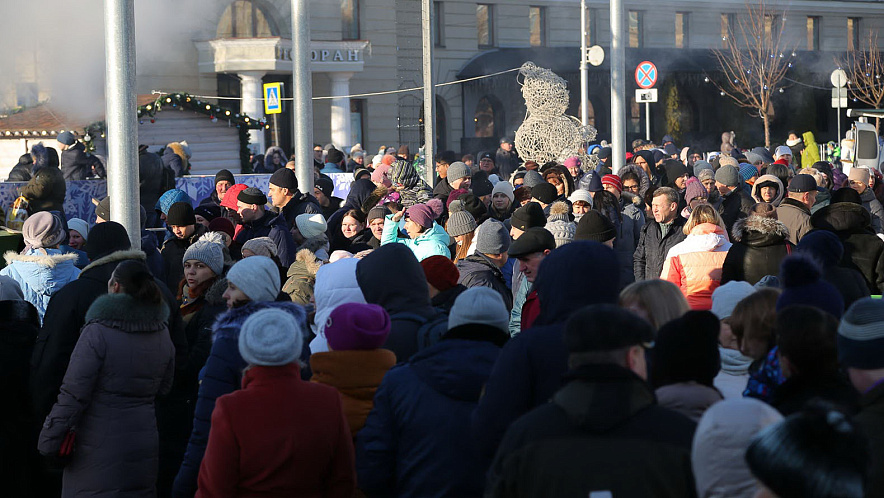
(644, 183)
(756, 195)
(116, 257)
(308, 261)
(215, 295)
(51, 259)
(633, 199)
(40, 274)
(124, 312)
(759, 230)
(229, 323)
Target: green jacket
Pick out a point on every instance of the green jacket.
(811, 152)
(430, 243)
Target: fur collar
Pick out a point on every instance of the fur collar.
(116, 257)
(214, 296)
(629, 197)
(314, 244)
(49, 260)
(307, 257)
(124, 312)
(759, 224)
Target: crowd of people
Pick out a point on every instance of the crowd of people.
(671, 323)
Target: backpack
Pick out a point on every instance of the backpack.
(430, 331)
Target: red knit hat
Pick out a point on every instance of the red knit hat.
(441, 272)
(220, 224)
(230, 196)
(614, 181)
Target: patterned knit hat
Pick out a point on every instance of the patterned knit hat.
(613, 181)
(861, 335)
(209, 249)
(747, 171)
(558, 224)
(460, 222)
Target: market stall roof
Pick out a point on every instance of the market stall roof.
(46, 120)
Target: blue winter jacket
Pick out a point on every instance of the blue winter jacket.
(274, 226)
(433, 242)
(416, 440)
(40, 275)
(222, 375)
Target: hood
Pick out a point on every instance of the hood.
(391, 277)
(644, 182)
(588, 267)
(268, 155)
(809, 139)
(335, 285)
(628, 198)
(115, 257)
(603, 397)
(759, 231)
(435, 233)
(215, 294)
(456, 368)
(705, 237)
(228, 323)
(733, 362)
(843, 217)
(360, 190)
(46, 273)
(768, 178)
(124, 312)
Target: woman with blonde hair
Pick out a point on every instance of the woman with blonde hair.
(657, 301)
(695, 264)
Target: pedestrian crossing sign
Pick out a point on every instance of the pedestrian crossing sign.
(272, 98)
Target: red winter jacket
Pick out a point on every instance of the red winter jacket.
(278, 437)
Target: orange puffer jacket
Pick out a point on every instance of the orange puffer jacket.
(694, 265)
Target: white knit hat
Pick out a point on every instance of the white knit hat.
(781, 151)
(505, 188)
(80, 226)
(270, 337)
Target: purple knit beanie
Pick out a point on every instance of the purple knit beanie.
(356, 326)
(694, 188)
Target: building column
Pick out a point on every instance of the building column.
(252, 91)
(340, 110)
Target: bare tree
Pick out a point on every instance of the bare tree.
(865, 73)
(754, 61)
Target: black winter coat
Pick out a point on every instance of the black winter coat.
(150, 179)
(650, 254)
(601, 431)
(734, 206)
(871, 421)
(760, 244)
(863, 250)
(444, 300)
(173, 256)
(274, 226)
(46, 190)
(478, 271)
(75, 164)
(20, 173)
(793, 395)
(299, 204)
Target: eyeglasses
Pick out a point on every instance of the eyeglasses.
(630, 187)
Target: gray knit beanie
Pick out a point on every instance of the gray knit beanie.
(458, 170)
(261, 246)
(270, 337)
(492, 237)
(209, 249)
(532, 179)
(479, 305)
(728, 175)
(257, 277)
(460, 222)
(43, 229)
(560, 225)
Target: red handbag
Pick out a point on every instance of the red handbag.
(67, 444)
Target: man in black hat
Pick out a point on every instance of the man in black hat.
(224, 179)
(794, 211)
(334, 162)
(507, 159)
(287, 199)
(529, 250)
(603, 432)
(257, 222)
(182, 222)
(323, 191)
(486, 163)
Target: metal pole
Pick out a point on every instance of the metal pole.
(429, 94)
(302, 104)
(647, 121)
(838, 130)
(618, 87)
(584, 71)
(122, 134)
(275, 130)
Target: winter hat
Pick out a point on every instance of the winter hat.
(686, 349)
(613, 181)
(180, 214)
(822, 245)
(700, 165)
(670, 149)
(175, 195)
(782, 150)
(224, 175)
(560, 225)
(726, 297)
(800, 277)
(532, 179)
(861, 335)
(310, 225)
(481, 185)
(455, 195)
(284, 178)
(596, 227)
(458, 170)
(67, 138)
(674, 170)
(261, 246)
(753, 158)
(605, 327)
(326, 186)
(474, 206)
(764, 154)
(719, 447)
(80, 226)
(572, 162)
(102, 208)
(10, 290)
(208, 249)
(252, 195)
(527, 216)
(505, 188)
(362, 173)
(728, 175)
(581, 195)
(376, 212)
(840, 195)
(728, 161)
(747, 171)
(694, 188)
(460, 221)
(334, 156)
(706, 174)
(545, 193)
(860, 175)
(107, 237)
(535, 239)
(232, 194)
(803, 183)
(222, 225)
(479, 306)
(492, 237)
(420, 214)
(43, 230)
(207, 211)
(595, 182)
(441, 272)
(357, 327)
(270, 338)
(257, 277)
(380, 174)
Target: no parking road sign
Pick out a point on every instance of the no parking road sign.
(646, 74)
(272, 98)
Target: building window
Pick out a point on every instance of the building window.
(537, 26)
(813, 33)
(230, 86)
(853, 33)
(591, 15)
(357, 121)
(636, 28)
(485, 24)
(350, 19)
(773, 25)
(682, 30)
(635, 116)
(728, 23)
(438, 24)
(244, 19)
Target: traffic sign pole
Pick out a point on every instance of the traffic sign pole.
(648, 121)
(645, 78)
